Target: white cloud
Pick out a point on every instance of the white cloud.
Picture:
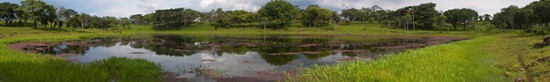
(124, 8)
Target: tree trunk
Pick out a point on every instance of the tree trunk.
(82, 25)
(35, 26)
(454, 25)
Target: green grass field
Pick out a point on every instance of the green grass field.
(482, 59)
(488, 56)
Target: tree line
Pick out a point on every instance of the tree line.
(280, 14)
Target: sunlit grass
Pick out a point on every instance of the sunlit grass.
(463, 61)
(482, 59)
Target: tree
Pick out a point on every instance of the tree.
(169, 19)
(8, 12)
(124, 22)
(460, 16)
(513, 17)
(239, 16)
(423, 15)
(316, 16)
(440, 21)
(222, 18)
(110, 19)
(73, 21)
(67, 14)
(148, 18)
(47, 15)
(98, 22)
(485, 17)
(84, 19)
(279, 13)
(540, 10)
(34, 9)
(351, 15)
(136, 19)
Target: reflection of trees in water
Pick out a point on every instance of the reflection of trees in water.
(349, 54)
(173, 45)
(182, 45)
(278, 60)
(317, 56)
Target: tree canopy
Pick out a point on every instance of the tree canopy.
(279, 13)
(315, 16)
(460, 16)
(174, 18)
(8, 12)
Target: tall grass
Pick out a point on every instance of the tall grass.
(18, 66)
(463, 61)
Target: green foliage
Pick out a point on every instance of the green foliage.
(136, 19)
(222, 18)
(540, 11)
(423, 16)
(124, 22)
(485, 17)
(8, 12)
(461, 16)
(279, 13)
(38, 11)
(148, 18)
(315, 16)
(278, 60)
(170, 19)
(512, 18)
(351, 14)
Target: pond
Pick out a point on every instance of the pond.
(233, 57)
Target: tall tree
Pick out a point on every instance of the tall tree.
(512, 17)
(136, 19)
(67, 14)
(460, 16)
(540, 11)
(316, 16)
(174, 18)
(222, 18)
(8, 12)
(124, 22)
(422, 15)
(485, 17)
(279, 12)
(148, 18)
(440, 21)
(34, 9)
(351, 15)
(239, 16)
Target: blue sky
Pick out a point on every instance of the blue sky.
(124, 8)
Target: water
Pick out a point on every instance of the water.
(235, 57)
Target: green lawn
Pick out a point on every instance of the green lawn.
(481, 59)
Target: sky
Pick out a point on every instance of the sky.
(125, 8)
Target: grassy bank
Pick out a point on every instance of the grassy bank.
(18, 66)
(482, 59)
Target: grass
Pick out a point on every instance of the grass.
(482, 59)
(18, 66)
